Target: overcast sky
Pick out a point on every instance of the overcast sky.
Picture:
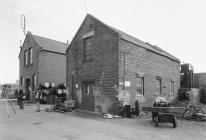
(177, 26)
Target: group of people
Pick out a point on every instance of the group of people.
(61, 95)
(19, 94)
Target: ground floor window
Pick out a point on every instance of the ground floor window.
(22, 81)
(34, 81)
(140, 85)
(158, 86)
(172, 87)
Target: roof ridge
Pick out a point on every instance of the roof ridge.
(50, 44)
(48, 39)
(141, 43)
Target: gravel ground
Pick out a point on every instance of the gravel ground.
(30, 125)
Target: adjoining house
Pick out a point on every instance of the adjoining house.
(106, 66)
(41, 60)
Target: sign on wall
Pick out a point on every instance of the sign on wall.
(127, 83)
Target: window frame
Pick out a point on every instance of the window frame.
(25, 57)
(22, 81)
(142, 84)
(87, 50)
(172, 88)
(159, 81)
(30, 56)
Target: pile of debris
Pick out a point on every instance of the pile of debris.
(194, 112)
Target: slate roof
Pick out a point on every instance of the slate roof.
(50, 45)
(138, 42)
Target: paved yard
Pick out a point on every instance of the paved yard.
(30, 125)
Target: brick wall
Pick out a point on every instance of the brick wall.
(152, 65)
(52, 67)
(103, 69)
(31, 69)
(106, 68)
(48, 66)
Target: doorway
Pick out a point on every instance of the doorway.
(88, 95)
(27, 89)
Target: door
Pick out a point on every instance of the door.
(88, 96)
(27, 89)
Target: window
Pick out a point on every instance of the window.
(172, 87)
(25, 57)
(87, 48)
(88, 88)
(158, 86)
(34, 81)
(22, 81)
(140, 85)
(30, 56)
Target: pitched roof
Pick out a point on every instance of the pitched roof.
(50, 45)
(138, 42)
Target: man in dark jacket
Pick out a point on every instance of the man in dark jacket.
(20, 97)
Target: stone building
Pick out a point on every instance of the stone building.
(41, 60)
(107, 67)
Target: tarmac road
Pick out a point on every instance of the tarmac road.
(30, 125)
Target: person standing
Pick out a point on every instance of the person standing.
(3, 93)
(20, 98)
(38, 95)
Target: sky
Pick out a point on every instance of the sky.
(177, 26)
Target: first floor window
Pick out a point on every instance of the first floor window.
(26, 57)
(87, 48)
(30, 56)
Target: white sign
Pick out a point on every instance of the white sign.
(127, 83)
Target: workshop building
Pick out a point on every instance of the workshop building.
(107, 67)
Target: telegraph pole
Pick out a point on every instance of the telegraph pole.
(23, 23)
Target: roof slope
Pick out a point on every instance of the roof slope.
(50, 45)
(138, 42)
